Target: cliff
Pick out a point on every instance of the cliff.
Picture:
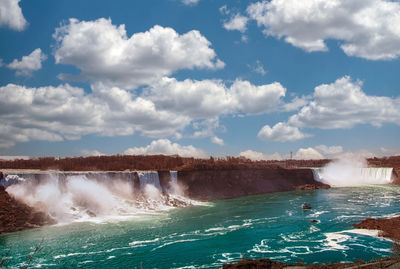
(16, 216)
(388, 227)
(232, 183)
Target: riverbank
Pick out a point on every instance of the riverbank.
(389, 228)
(16, 216)
(392, 263)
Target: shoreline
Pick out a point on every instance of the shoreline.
(388, 228)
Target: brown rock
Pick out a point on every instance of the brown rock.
(389, 227)
(233, 183)
(16, 216)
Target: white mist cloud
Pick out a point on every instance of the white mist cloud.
(257, 156)
(166, 147)
(11, 15)
(104, 53)
(368, 29)
(28, 64)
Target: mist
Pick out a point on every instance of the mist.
(78, 198)
(353, 172)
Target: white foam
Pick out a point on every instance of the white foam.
(352, 172)
(334, 240)
(78, 198)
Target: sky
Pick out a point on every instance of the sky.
(258, 79)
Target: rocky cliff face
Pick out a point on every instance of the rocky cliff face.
(233, 183)
(16, 216)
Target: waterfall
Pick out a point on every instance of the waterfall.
(149, 177)
(345, 175)
(174, 177)
(94, 196)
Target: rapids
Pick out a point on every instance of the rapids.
(209, 235)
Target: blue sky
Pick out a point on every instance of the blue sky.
(259, 79)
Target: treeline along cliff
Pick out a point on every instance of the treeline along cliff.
(162, 162)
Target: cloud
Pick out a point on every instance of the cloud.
(104, 53)
(281, 132)
(367, 28)
(217, 140)
(258, 68)
(50, 114)
(253, 99)
(258, 156)
(190, 2)
(11, 15)
(295, 103)
(341, 104)
(162, 110)
(360, 154)
(389, 152)
(236, 22)
(166, 147)
(308, 154)
(1, 62)
(11, 158)
(210, 98)
(332, 150)
(88, 152)
(28, 64)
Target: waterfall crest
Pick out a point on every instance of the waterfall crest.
(346, 173)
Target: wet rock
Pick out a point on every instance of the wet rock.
(17, 216)
(90, 213)
(310, 187)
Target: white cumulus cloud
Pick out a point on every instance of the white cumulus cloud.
(104, 53)
(210, 98)
(190, 2)
(236, 22)
(217, 140)
(65, 112)
(28, 64)
(341, 104)
(281, 132)
(308, 154)
(11, 15)
(166, 147)
(88, 152)
(368, 29)
(329, 150)
(258, 156)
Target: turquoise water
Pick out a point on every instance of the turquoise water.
(271, 225)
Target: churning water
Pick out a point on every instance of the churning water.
(208, 235)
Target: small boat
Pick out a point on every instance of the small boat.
(306, 206)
